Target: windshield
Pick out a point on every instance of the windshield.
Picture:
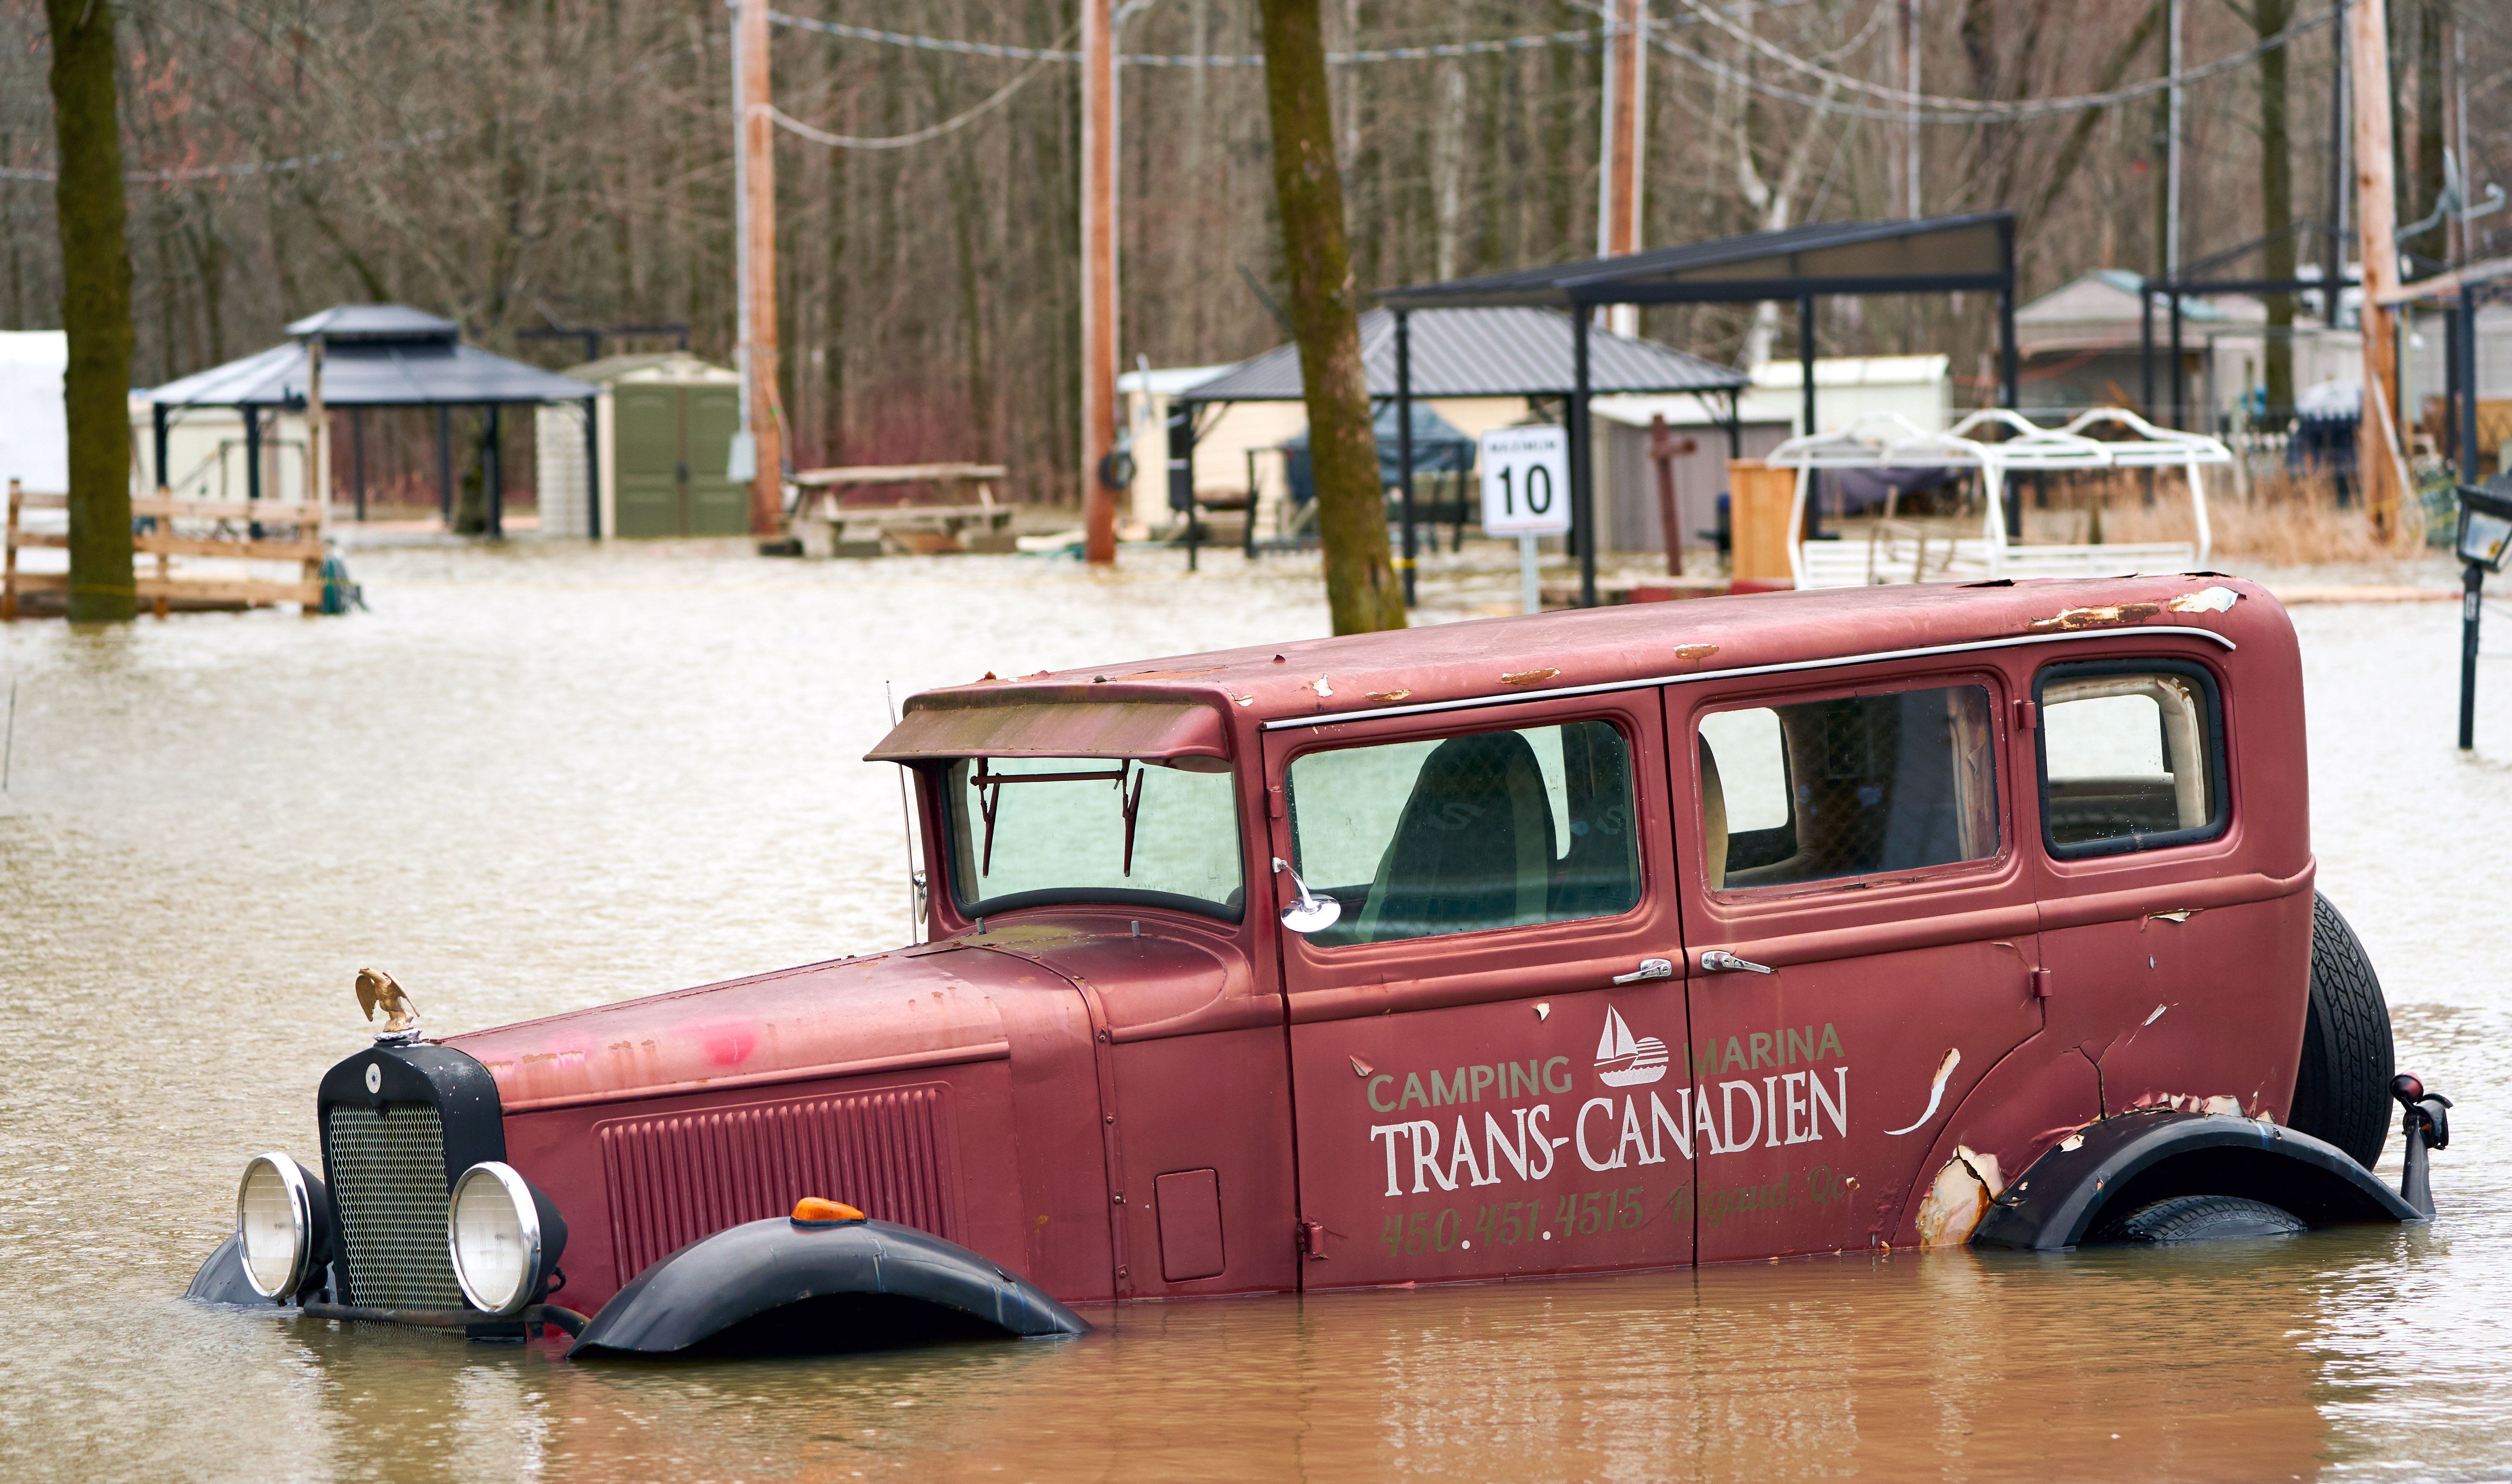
(1030, 832)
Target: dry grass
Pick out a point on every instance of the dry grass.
(2286, 519)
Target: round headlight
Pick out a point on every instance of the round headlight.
(494, 1228)
(275, 1224)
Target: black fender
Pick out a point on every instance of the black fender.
(221, 1279)
(819, 1285)
(2125, 1162)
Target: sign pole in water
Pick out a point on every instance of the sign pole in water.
(1526, 493)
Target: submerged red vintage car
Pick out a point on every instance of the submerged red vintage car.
(1626, 938)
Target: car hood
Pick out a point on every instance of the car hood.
(920, 1006)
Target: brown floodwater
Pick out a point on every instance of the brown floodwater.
(543, 777)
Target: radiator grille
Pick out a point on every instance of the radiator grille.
(387, 1170)
(678, 1178)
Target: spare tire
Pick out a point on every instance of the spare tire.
(2341, 1091)
(2201, 1219)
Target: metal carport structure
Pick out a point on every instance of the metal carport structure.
(381, 356)
(1499, 350)
(1972, 252)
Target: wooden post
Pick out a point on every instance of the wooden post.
(1626, 114)
(2376, 444)
(1098, 279)
(1663, 447)
(9, 561)
(759, 271)
(317, 469)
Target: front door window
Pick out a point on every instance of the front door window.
(1456, 835)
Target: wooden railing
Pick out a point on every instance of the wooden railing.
(165, 587)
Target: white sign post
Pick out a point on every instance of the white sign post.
(1526, 493)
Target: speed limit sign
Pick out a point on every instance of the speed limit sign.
(1526, 481)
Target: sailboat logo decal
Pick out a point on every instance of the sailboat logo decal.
(1625, 1061)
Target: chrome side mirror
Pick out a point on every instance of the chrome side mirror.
(1310, 913)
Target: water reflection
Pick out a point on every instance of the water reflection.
(537, 779)
(2188, 1364)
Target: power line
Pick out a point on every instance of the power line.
(1933, 108)
(1188, 59)
(798, 128)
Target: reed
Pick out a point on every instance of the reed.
(2284, 520)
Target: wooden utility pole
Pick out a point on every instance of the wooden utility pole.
(2377, 443)
(757, 188)
(1624, 152)
(1362, 590)
(1099, 281)
(96, 308)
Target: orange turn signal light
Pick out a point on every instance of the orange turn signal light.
(813, 1208)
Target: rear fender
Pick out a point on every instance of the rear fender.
(2121, 1163)
(783, 1284)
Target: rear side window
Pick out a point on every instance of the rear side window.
(1854, 785)
(2132, 757)
(1456, 835)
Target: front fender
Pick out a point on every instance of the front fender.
(221, 1280)
(863, 1283)
(2128, 1162)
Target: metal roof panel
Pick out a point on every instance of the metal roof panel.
(1482, 352)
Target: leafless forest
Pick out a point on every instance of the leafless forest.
(569, 162)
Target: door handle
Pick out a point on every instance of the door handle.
(1650, 968)
(1718, 961)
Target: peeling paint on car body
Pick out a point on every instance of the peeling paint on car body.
(1958, 1198)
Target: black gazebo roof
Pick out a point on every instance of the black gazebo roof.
(1505, 351)
(374, 355)
(1932, 255)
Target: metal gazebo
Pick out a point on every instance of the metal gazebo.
(380, 355)
(1479, 350)
(1935, 255)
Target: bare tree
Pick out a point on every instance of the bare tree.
(1362, 586)
(571, 164)
(96, 308)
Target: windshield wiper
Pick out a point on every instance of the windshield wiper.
(989, 799)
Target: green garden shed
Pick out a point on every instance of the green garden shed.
(664, 424)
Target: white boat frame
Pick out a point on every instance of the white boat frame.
(1886, 440)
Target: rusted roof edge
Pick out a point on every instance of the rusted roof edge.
(1607, 688)
(1037, 726)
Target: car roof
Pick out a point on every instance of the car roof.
(1498, 659)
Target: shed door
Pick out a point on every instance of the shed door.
(1856, 837)
(646, 448)
(718, 507)
(1474, 1096)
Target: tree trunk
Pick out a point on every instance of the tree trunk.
(1362, 587)
(96, 308)
(2276, 207)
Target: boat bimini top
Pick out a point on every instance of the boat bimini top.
(1899, 552)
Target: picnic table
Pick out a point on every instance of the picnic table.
(965, 518)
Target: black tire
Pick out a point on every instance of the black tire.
(2200, 1219)
(2341, 1090)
